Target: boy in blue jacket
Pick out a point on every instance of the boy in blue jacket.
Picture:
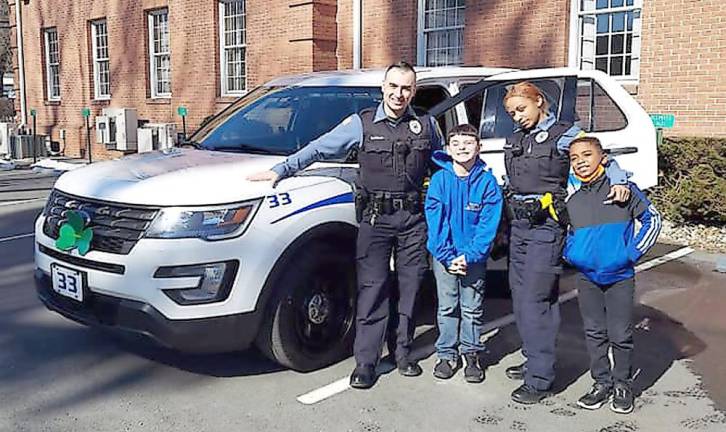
(604, 247)
(463, 208)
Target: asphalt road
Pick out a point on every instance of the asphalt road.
(56, 375)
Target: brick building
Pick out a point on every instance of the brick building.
(157, 55)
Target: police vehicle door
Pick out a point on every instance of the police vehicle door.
(591, 99)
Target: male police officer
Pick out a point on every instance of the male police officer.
(394, 146)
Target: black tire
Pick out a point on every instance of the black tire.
(310, 320)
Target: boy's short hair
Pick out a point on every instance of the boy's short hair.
(463, 129)
(590, 140)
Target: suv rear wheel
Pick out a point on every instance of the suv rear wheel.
(310, 321)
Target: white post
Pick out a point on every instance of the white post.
(357, 33)
(21, 61)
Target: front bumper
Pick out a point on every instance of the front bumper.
(130, 317)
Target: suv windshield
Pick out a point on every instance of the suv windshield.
(281, 120)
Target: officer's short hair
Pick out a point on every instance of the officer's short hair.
(462, 129)
(404, 66)
(593, 141)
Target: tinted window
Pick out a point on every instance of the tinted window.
(285, 120)
(597, 112)
(427, 97)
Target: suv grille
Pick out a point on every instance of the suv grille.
(116, 228)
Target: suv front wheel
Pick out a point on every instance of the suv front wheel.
(310, 321)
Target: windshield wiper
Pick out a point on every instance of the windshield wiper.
(243, 148)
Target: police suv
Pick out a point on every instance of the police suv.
(178, 247)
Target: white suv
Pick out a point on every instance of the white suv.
(188, 253)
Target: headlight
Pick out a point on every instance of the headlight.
(212, 223)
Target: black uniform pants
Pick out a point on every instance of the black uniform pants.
(406, 232)
(535, 253)
(607, 318)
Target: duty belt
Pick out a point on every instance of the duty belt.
(385, 203)
(536, 209)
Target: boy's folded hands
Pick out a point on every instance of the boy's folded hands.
(458, 266)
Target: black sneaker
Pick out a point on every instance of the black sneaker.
(473, 371)
(445, 369)
(622, 399)
(598, 396)
(527, 395)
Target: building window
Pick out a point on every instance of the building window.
(101, 69)
(441, 32)
(608, 37)
(159, 54)
(52, 63)
(233, 45)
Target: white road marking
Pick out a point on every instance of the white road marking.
(663, 259)
(489, 330)
(22, 201)
(16, 237)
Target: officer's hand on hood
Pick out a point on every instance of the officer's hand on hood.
(268, 175)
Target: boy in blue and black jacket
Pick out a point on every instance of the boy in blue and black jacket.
(463, 208)
(604, 247)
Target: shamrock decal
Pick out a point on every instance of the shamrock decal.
(74, 234)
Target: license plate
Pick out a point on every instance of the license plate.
(67, 282)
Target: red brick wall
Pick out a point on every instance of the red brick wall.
(683, 64)
(516, 33)
(389, 32)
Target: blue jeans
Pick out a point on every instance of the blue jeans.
(461, 310)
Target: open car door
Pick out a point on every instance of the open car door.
(591, 99)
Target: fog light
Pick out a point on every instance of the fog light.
(215, 282)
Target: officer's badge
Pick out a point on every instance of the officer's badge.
(541, 137)
(415, 126)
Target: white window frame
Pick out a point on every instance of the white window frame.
(98, 93)
(53, 92)
(582, 51)
(421, 57)
(154, 79)
(223, 72)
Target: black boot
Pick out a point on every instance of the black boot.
(363, 377)
(516, 372)
(409, 368)
(527, 395)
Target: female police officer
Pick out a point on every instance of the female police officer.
(537, 167)
(394, 146)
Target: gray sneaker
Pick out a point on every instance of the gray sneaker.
(445, 369)
(623, 399)
(473, 372)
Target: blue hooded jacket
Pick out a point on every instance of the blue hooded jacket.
(462, 213)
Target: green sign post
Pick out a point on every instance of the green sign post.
(33, 112)
(662, 121)
(182, 111)
(86, 112)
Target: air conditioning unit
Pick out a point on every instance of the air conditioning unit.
(157, 136)
(6, 130)
(21, 146)
(120, 129)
